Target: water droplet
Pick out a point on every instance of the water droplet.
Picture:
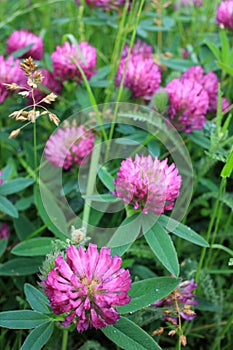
(156, 289)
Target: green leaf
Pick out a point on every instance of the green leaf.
(23, 227)
(120, 250)
(102, 198)
(7, 171)
(142, 272)
(178, 64)
(146, 292)
(224, 45)
(55, 210)
(20, 267)
(37, 300)
(214, 49)
(162, 246)
(7, 207)
(182, 231)
(228, 167)
(126, 233)
(226, 67)
(3, 245)
(199, 139)
(21, 52)
(22, 319)
(10, 142)
(106, 178)
(38, 337)
(14, 186)
(24, 203)
(127, 335)
(34, 247)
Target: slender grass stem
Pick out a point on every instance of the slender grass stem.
(91, 181)
(35, 147)
(123, 77)
(210, 228)
(218, 218)
(64, 339)
(119, 42)
(92, 100)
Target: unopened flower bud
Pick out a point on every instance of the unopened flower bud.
(172, 332)
(183, 340)
(160, 100)
(158, 331)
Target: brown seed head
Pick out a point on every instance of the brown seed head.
(12, 86)
(49, 98)
(16, 114)
(28, 66)
(54, 118)
(38, 77)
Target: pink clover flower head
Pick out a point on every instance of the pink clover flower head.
(147, 184)
(184, 53)
(198, 2)
(69, 146)
(209, 81)
(22, 38)
(105, 4)
(10, 72)
(139, 48)
(64, 59)
(224, 14)
(88, 286)
(180, 3)
(142, 76)
(4, 230)
(225, 104)
(188, 104)
(49, 83)
(185, 297)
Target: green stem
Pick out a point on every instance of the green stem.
(35, 147)
(225, 229)
(91, 181)
(92, 99)
(121, 35)
(219, 215)
(64, 339)
(210, 228)
(133, 36)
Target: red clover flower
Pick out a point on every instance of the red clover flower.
(69, 146)
(64, 59)
(224, 15)
(188, 104)
(148, 184)
(87, 286)
(22, 38)
(9, 72)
